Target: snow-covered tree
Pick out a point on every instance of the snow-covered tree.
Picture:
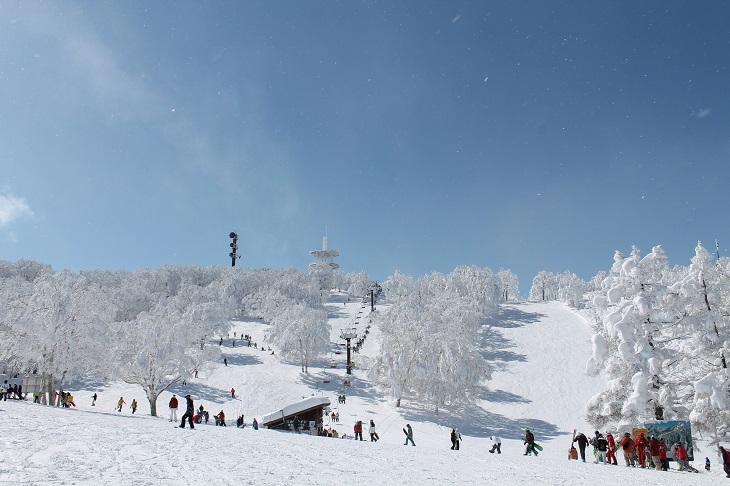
(157, 342)
(662, 343)
(301, 333)
(429, 334)
(509, 285)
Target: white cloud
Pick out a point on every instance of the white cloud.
(12, 208)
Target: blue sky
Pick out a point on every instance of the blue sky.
(421, 135)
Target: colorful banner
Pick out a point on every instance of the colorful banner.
(672, 432)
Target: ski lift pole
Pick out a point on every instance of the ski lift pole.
(347, 336)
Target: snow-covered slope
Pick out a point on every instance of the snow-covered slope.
(540, 351)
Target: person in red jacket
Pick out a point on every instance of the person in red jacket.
(681, 456)
(358, 429)
(173, 408)
(611, 452)
(663, 455)
(641, 444)
(627, 444)
(654, 451)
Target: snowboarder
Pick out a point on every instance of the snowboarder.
(93, 401)
(682, 458)
(189, 412)
(120, 403)
(529, 443)
(582, 441)
(373, 434)
(601, 447)
(455, 438)
(173, 408)
(134, 405)
(496, 444)
(409, 434)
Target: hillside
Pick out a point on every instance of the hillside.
(539, 351)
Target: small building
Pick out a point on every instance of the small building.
(308, 410)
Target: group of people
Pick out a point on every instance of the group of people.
(15, 391)
(374, 437)
(640, 452)
(121, 403)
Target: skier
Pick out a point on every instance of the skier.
(529, 443)
(134, 405)
(220, 419)
(455, 438)
(93, 401)
(296, 424)
(189, 412)
(233, 393)
(120, 403)
(358, 429)
(373, 435)
(496, 445)
(225, 361)
(409, 434)
(707, 464)
(582, 441)
(173, 408)
(255, 424)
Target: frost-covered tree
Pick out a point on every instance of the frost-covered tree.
(55, 326)
(543, 287)
(301, 333)
(428, 335)
(509, 285)
(626, 348)
(662, 341)
(565, 287)
(157, 340)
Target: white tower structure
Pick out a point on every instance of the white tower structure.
(325, 257)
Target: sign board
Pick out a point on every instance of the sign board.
(672, 432)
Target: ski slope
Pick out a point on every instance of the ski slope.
(539, 351)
